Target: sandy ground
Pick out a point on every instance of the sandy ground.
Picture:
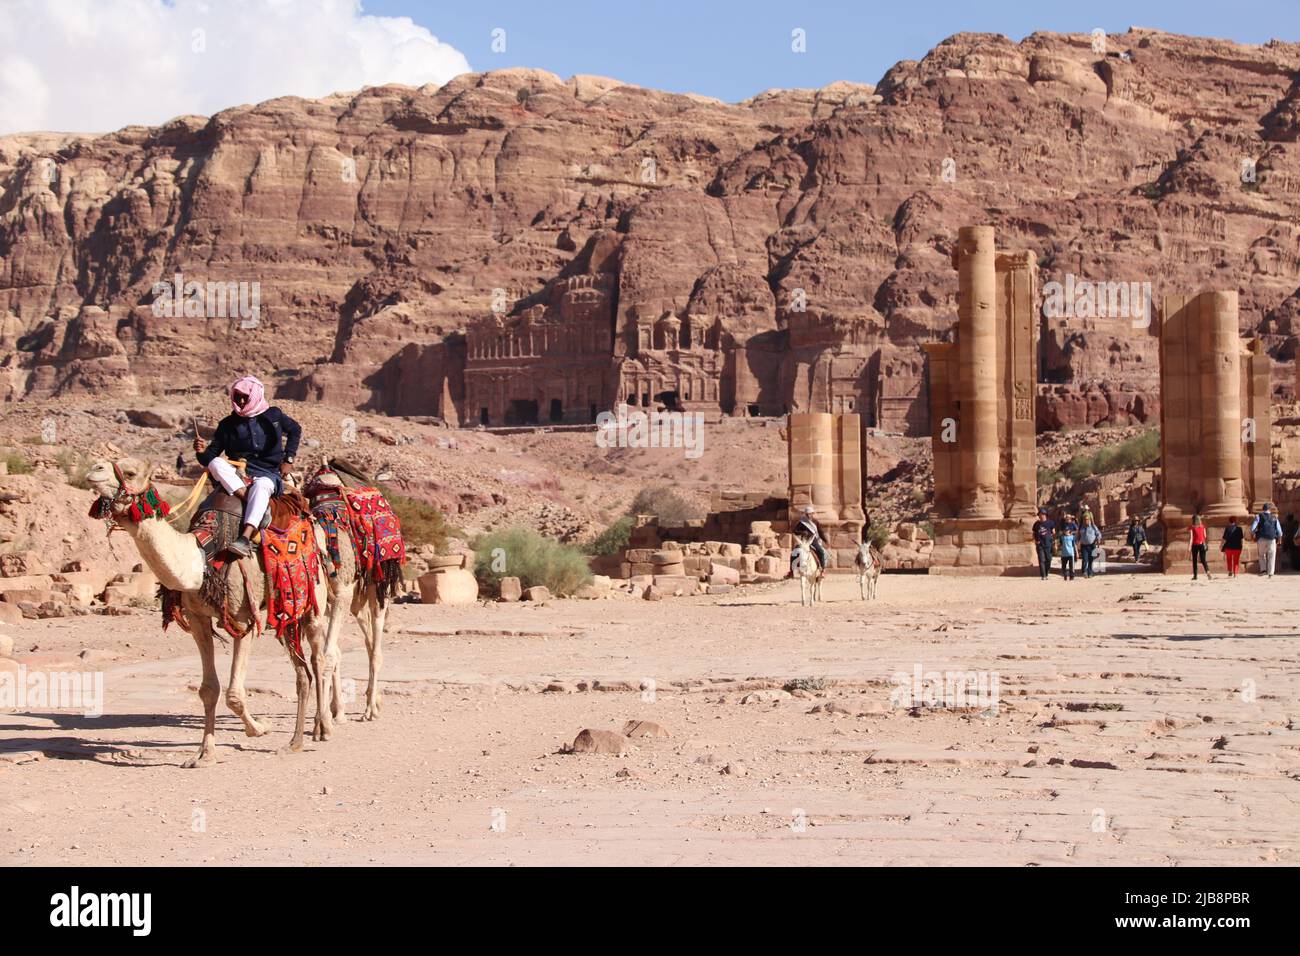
(1141, 720)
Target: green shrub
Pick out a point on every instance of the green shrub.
(1048, 476)
(74, 468)
(613, 540)
(878, 535)
(18, 465)
(672, 509)
(422, 523)
(1136, 452)
(805, 683)
(530, 557)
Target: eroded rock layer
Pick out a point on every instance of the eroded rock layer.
(514, 247)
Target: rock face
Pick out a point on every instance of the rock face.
(513, 247)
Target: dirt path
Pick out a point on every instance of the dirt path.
(1139, 720)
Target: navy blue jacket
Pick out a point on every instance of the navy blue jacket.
(263, 442)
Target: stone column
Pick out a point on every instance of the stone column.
(1257, 401)
(978, 392)
(1222, 491)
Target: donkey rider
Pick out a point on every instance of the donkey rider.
(806, 527)
(266, 439)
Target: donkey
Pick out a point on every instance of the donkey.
(868, 564)
(809, 572)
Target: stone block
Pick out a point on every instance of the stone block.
(676, 584)
(721, 574)
(22, 564)
(537, 594)
(453, 586)
(511, 589)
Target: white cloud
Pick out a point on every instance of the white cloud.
(98, 65)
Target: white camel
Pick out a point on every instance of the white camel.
(809, 572)
(868, 564)
(177, 560)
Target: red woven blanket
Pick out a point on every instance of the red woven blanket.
(376, 532)
(292, 566)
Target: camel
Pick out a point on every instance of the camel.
(178, 562)
(868, 564)
(809, 572)
(347, 595)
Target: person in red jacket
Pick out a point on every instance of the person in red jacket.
(1198, 546)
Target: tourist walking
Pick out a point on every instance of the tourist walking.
(1136, 538)
(1198, 546)
(1068, 532)
(1044, 535)
(1233, 537)
(1266, 530)
(1089, 540)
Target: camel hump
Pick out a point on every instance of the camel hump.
(346, 468)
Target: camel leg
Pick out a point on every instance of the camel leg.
(235, 694)
(371, 620)
(209, 691)
(302, 680)
(314, 631)
(341, 601)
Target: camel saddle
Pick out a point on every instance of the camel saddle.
(216, 525)
(283, 509)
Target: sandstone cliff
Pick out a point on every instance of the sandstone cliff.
(514, 244)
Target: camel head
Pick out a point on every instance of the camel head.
(126, 492)
(322, 479)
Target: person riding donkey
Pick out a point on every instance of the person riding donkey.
(266, 439)
(806, 527)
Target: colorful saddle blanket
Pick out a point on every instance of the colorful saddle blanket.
(373, 529)
(292, 564)
(377, 536)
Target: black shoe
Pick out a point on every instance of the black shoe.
(241, 547)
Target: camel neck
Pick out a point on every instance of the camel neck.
(173, 556)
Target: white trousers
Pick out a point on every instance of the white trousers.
(259, 492)
(1267, 555)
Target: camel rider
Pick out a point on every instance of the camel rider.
(807, 527)
(266, 439)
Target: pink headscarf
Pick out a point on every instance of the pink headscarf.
(253, 388)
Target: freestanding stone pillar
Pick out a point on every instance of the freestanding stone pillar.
(981, 391)
(1215, 422)
(977, 280)
(826, 469)
(1221, 418)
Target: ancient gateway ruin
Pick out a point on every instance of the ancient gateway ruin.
(1215, 421)
(982, 414)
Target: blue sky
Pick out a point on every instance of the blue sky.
(97, 65)
(733, 50)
